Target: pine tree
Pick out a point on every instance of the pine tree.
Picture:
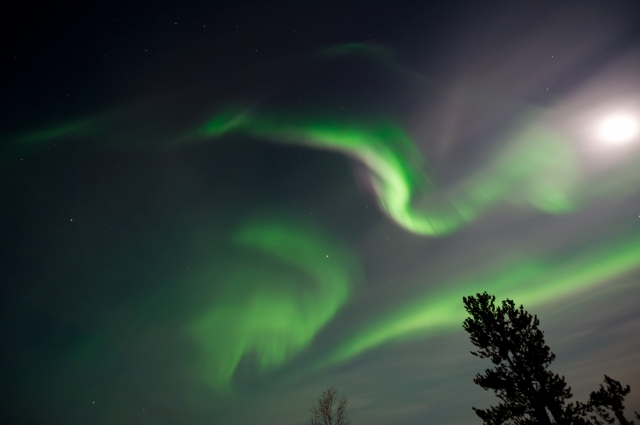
(529, 392)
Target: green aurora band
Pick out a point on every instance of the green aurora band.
(527, 281)
(537, 168)
(272, 309)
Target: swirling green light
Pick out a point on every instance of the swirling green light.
(537, 168)
(272, 309)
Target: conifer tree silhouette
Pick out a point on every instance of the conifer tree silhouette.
(530, 393)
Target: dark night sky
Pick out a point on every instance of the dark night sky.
(213, 211)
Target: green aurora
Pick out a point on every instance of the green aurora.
(293, 282)
(527, 281)
(273, 311)
(214, 211)
(536, 168)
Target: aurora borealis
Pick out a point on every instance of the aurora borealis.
(271, 312)
(214, 212)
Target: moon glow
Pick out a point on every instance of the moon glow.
(618, 129)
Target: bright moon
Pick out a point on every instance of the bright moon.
(618, 129)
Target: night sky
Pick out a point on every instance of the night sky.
(212, 211)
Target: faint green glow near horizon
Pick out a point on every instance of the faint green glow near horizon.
(528, 282)
(537, 168)
(272, 309)
(368, 50)
(71, 130)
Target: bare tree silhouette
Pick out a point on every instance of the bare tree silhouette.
(530, 393)
(330, 409)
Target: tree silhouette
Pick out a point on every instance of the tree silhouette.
(330, 410)
(530, 393)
